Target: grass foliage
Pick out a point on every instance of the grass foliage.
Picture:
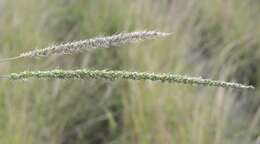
(217, 39)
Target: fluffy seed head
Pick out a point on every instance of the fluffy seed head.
(99, 42)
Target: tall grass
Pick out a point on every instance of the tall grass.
(215, 39)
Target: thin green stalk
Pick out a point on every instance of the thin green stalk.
(114, 75)
(10, 59)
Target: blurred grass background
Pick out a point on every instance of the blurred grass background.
(214, 39)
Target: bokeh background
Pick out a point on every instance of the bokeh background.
(217, 39)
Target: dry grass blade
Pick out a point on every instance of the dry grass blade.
(114, 75)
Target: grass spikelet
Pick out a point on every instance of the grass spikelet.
(115, 75)
(88, 44)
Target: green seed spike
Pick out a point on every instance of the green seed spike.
(126, 75)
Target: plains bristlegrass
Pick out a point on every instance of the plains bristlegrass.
(88, 44)
(100, 42)
(106, 42)
(115, 75)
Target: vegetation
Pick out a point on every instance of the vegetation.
(115, 75)
(215, 39)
